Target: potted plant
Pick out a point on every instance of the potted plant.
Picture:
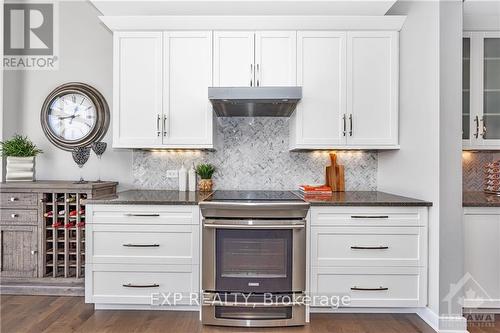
(20, 153)
(205, 171)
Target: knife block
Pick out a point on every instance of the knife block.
(335, 175)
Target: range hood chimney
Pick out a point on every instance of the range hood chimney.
(254, 101)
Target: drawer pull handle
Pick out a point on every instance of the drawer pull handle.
(14, 215)
(141, 245)
(12, 199)
(369, 216)
(381, 247)
(369, 289)
(143, 214)
(130, 285)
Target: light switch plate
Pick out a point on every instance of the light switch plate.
(172, 174)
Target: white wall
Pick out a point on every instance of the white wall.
(85, 55)
(428, 165)
(414, 169)
(451, 253)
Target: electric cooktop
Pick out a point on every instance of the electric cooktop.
(253, 196)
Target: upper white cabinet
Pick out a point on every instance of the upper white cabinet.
(160, 90)
(350, 90)
(318, 120)
(252, 59)
(481, 90)
(349, 81)
(187, 74)
(137, 89)
(372, 88)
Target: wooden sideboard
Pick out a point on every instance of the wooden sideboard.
(42, 235)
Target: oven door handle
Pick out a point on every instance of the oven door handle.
(255, 226)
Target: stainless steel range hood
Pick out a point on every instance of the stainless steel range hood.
(254, 101)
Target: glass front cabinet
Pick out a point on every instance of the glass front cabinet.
(481, 91)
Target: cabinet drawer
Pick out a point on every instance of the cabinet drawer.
(368, 246)
(368, 216)
(137, 214)
(370, 287)
(156, 244)
(18, 216)
(116, 284)
(12, 199)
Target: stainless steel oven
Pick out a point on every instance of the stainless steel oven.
(252, 250)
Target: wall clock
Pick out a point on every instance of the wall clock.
(74, 115)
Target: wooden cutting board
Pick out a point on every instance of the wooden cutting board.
(335, 175)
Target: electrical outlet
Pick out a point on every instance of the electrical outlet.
(172, 174)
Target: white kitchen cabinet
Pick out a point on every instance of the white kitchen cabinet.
(251, 59)
(134, 251)
(376, 255)
(137, 89)
(350, 90)
(160, 90)
(321, 68)
(234, 58)
(187, 74)
(481, 90)
(482, 257)
(275, 58)
(372, 88)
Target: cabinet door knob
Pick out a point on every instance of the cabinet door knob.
(34, 252)
(14, 215)
(13, 199)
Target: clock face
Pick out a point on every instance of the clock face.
(71, 117)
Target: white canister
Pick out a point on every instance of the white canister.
(182, 178)
(192, 178)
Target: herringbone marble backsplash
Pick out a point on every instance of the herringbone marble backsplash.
(253, 155)
(473, 168)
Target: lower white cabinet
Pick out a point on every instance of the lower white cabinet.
(135, 254)
(482, 257)
(376, 255)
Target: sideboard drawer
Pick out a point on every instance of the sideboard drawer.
(368, 246)
(369, 216)
(143, 214)
(134, 244)
(371, 287)
(118, 284)
(19, 216)
(12, 199)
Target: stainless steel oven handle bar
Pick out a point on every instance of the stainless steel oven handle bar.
(254, 224)
(235, 226)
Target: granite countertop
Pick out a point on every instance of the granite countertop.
(364, 198)
(480, 199)
(151, 197)
(349, 198)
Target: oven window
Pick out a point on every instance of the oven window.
(250, 260)
(250, 313)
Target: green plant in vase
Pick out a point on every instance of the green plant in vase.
(205, 171)
(20, 153)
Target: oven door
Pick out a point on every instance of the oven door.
(253, 256)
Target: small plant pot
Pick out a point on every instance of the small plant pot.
(20, 169)
(205, 185)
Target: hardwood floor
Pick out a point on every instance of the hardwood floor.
(70, 314)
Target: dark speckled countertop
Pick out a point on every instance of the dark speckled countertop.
(151, 197)
(349, 198)
(364, 198)
(480, 199)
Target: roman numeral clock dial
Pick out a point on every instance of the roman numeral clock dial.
(74, 115)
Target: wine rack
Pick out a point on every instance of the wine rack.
(47, 237)
(64, 231)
